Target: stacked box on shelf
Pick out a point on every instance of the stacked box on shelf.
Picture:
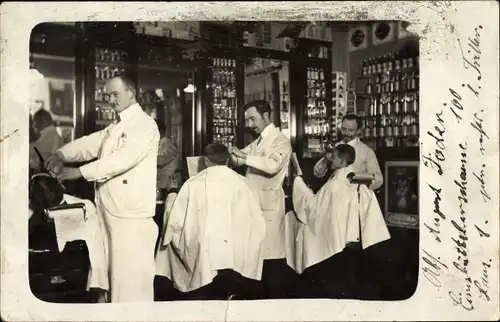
(391, 99)
(109, 63)
(224, 102)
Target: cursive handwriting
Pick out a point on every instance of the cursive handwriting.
(456, 101)
(439, 152)
(462, 261)
(437, 210)
(482, 286)
(432, 272)
(475, 52)
(480, 178)
(478, 126)
(481, 232)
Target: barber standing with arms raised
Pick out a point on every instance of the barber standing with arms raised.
(125, 177)
(267, 159)
(366, 159)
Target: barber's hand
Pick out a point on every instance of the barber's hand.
(55, 163)
(71, 174)
(238, 153)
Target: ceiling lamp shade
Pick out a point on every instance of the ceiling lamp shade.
(189, 89)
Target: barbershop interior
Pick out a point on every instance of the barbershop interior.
(316, 83)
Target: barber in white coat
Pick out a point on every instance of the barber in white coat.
(366, 160)
(267, 160)
(125, 177)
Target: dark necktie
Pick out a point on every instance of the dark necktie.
(259, 139)
(118, 118)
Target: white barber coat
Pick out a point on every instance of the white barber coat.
(215, 223)
(125, 169)
(267, 167)
(125, 176)
(324, 223)
(365, 161)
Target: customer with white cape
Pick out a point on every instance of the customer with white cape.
(339, 217)
(214, 232)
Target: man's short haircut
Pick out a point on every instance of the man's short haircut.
(217, 153)
(45, 191)
(162, 128)
(262, 107)
(43, 117)
(354, 117)
(128, 82)
(346, 153)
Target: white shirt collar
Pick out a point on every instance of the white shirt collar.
(267, 130)
(130, 111)
(352, 143)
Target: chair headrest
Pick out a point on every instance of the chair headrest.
(45, 191)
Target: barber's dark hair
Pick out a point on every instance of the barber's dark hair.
(354, 117)
(217, 153)
(162, 128)
(262, 107)
(128, 82)
(45, 191)
(346, 153)
(42, 117)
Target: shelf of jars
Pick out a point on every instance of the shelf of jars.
(108, 63)
(339, 102)
(285, 108)
(317, 117)
(224, 101)
(391, 100)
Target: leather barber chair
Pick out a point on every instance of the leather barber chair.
(54, 276)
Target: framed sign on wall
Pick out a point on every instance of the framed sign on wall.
(382, 32)
(401, 194)
(358, 38)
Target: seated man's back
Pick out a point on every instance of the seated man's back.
(215, 223)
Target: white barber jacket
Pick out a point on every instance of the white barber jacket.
(215, 223)
(324, 223)
(125, 169)
(267, 164)
(365, 161)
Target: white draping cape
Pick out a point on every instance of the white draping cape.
(215, 223)
(324, 223)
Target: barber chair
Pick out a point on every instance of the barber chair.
(54, 276)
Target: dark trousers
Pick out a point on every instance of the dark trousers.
(228, 284)
(277, 279)
(340, 276)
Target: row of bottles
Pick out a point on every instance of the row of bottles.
(392, 83)
(387, 63)
(106, 72)
(393, 104)
(392, 99)
(110, 55)
(387, 126)
(105, 113)
(224, 102)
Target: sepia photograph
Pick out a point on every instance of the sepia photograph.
(251, 160)
(243, 96)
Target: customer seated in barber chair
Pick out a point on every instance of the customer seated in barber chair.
(329, 230)
(74, 219)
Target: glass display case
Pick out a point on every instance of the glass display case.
(317, 112)
(391, 99)
(223, 102)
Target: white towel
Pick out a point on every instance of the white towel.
(71, 225)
